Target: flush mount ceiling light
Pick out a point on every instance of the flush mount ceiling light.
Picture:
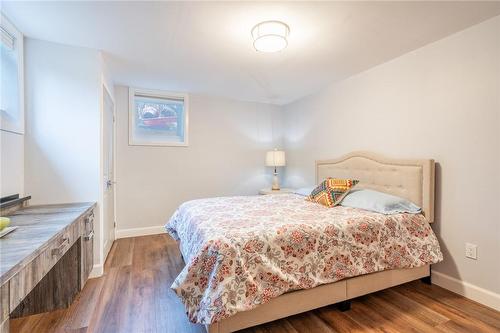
(270, 36)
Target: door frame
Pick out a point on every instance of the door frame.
(103, 252)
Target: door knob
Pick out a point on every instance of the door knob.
(109, 183)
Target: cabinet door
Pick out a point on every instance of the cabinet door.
(4, 309)
(87, 252)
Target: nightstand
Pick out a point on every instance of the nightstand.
(280, 191)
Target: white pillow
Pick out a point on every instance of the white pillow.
(379, 202)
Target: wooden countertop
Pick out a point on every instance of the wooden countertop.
(37, 226)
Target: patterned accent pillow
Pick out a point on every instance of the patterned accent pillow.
(331, 191)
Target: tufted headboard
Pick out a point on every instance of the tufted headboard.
(409, 179)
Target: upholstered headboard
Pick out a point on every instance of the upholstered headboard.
(409, 179)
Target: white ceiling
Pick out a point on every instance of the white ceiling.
(206, 47)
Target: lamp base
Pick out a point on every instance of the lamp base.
(276, 185)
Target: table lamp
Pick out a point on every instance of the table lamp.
(275, 158)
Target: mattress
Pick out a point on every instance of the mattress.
(241, 252)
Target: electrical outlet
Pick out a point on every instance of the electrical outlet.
(471, 251)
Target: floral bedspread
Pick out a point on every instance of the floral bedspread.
(241, 252)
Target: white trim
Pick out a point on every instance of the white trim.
(100, 240)
(104, 248)
(97, 271)
(466, 289)
(134, 232)
(107, 248)
(108, 88)
(157, 94)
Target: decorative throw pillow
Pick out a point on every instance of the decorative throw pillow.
(331, 191)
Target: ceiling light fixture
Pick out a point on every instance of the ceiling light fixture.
(270, 36)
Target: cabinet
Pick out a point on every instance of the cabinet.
(87, 247)
(47, 260)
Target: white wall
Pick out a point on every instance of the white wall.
(441, 101)
(227, 144)
(63, 127)
(62, 122)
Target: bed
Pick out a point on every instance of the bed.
(251, 260)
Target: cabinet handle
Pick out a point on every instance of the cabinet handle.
(89, 236)
(60, 249)
(89, 218)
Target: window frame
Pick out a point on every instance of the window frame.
(18, 127)
(157, 94)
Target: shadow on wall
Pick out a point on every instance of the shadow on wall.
(436, 226)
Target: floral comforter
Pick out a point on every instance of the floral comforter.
(241, 252)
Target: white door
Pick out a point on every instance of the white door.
(109, 179)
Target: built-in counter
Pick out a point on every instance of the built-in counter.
(46, 260)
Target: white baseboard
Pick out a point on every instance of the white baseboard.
(468, 290)
(134, 232)
(107, 248)
(97, 271)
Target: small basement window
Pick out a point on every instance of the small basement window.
(157, 118)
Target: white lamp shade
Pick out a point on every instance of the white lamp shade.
(275, 158)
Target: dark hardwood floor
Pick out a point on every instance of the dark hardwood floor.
(134, 296)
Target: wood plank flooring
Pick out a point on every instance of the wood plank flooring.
(134, 296)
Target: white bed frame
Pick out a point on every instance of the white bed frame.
(410, 179)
